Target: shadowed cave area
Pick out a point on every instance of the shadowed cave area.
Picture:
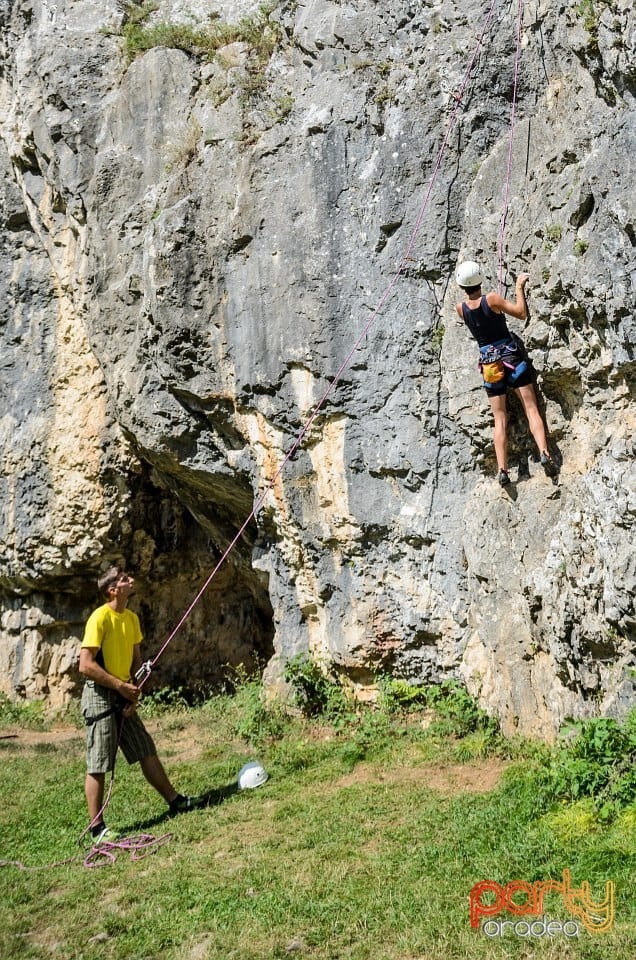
(172, 556)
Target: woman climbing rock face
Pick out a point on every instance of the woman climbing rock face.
(500, 360)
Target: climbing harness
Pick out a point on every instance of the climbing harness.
(90, 721)
(498, 357)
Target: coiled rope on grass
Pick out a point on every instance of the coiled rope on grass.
(138, 846)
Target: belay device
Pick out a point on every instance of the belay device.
(144, 672)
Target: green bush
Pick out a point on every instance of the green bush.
(316, 691)
(597, 759)
(254, 717)
(260, 34)
(23, 713)
(397, 695)
(458, 712)
(162, 701)
(180, 36)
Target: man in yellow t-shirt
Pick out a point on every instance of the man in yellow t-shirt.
(109, 659)
(116, 635)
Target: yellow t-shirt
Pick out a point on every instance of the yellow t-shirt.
(115, 634)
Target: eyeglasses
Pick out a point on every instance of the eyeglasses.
(122, 579)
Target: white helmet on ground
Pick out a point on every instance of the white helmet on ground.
(469, 274)
(251, 775)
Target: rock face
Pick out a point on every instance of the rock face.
(196, 228)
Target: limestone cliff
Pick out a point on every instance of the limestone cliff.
(200, 208)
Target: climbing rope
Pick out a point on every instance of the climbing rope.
(98, 816)
(139, 846)
(513, 110)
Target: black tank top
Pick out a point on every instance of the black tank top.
(485, 325)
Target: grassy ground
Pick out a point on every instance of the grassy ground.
(364, 843)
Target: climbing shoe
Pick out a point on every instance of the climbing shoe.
(502, 478)
(182, 804)
(548, 464)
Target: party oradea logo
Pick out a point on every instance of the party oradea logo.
(489, 900)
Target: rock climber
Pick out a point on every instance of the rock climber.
(109, 659)
(501, 361)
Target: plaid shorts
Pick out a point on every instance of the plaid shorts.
(101, 709)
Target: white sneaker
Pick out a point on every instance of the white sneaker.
(106, 835)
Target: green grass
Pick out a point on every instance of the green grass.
(25, 714)
(258, 32)
(364, 843)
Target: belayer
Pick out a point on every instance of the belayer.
(109, 659)
(501, 361)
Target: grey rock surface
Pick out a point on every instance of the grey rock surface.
(192, 244)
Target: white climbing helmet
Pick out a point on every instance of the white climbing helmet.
(251, 775)
(469, 274)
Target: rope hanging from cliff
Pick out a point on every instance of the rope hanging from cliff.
(513, 110)
(345, 363)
